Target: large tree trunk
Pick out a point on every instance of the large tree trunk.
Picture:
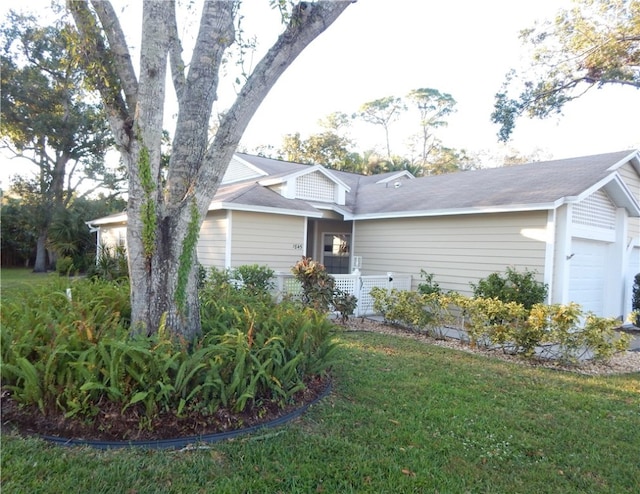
(164, 216)
(40, 265)
(164, 286)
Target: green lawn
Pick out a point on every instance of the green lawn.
(403, 417)
(12, 278)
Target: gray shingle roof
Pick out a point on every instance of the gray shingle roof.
(252, 194)
(539, 185)
(533, 185)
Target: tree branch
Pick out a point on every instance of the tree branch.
(98, 63)
(175, 55)
(307, 22)
(119, 49)
(215, 35)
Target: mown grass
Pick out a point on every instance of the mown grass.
(403, 417)
(12, 279)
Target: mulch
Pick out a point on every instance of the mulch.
(113, 424)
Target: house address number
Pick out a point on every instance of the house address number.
(297, 246)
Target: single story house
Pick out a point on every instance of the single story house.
(576, 222)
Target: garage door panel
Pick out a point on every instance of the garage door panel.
(587, 274)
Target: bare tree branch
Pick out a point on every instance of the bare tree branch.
(175, 55)
(119, 49)
(307, 22)
(215, 35)
(104, 76)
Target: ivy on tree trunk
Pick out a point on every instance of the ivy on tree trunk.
(166, 213)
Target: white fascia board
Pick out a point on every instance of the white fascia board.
(515, 208)
(333, 207)
(395, 176)
(622, 196)
(634, 158)
(108, 220)
(263, 209)
(617, 191)
(300, 173)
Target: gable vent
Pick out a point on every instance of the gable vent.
(315, 187)
(597, 210)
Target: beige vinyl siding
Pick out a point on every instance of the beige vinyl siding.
(632, 180)
(456, 249)
(212, 241)
(112, 236)
(274, 240)
(237, 171)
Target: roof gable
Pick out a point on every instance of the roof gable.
(240, 169)
(315, 183)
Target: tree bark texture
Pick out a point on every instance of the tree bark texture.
(165, 216)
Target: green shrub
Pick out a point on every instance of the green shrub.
(254, 278)
(345, 304)
(317, 285)
(413, 310)
(489, 321)
(429, 286)
(560, 332)
(64, 266)
(111, 264)
(513, 286)
(555, 331)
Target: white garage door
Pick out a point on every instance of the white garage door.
(587, 274)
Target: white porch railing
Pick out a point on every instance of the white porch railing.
(355, 284)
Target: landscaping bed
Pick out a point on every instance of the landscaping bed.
(620, 363)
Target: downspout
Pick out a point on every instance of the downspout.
(550, 253)
(95, 229)
(228, 243)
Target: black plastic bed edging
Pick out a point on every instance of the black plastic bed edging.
(185, 441)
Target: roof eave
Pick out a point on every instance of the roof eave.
(515, 208)
(263, 209)
(108, 220)
(315, 168)
(617, 190)
(633, 157)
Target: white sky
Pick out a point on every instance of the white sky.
(381, 48)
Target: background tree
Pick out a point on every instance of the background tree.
(433, 107)
(593, 44)
(382, 112)
(18, 238)
(165, 214)
(68, 231)
(447, 160)
(69, 235)
(48, 119)
(330, 148)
